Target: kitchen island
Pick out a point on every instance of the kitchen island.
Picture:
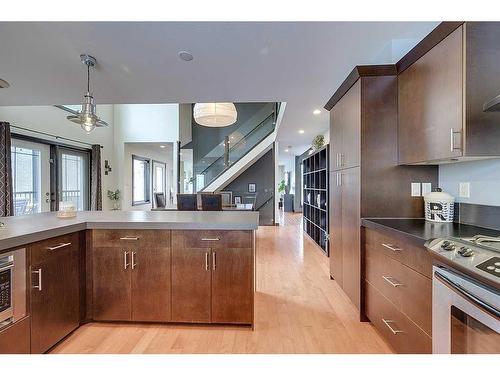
(128, 266)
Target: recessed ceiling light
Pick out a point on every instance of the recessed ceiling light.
(186, 56)
(316, 112)
(162, 146)
(3, 84)
(301, 131)
(286, 150)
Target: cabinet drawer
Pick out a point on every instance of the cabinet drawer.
(400, 249)
(130, 238)
(403, 335)
(407, 289)
(43, 250)
(215, 239)
(16, 338)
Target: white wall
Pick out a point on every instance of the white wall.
(145, 123)
(52, 120)
(484, 178)
(150, 151)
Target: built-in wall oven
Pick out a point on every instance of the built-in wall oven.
(12, 286)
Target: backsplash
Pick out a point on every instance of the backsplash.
(483, 176)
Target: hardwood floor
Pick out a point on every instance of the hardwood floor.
(298, 309)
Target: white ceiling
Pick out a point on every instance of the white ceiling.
(300, 63)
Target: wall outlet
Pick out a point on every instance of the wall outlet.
(415, 189)
(464, 190)
(426, 188)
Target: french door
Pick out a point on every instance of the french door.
(45, 174)
(30, 176)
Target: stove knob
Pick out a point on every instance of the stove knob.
(466, 251)
(448, 246)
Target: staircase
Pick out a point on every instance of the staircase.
(240, 149)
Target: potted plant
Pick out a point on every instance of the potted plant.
(318, 142)
(114, 196)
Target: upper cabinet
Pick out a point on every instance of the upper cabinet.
(441, 97)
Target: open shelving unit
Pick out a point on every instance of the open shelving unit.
(315, 197)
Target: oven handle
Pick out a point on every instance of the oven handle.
(468, 295)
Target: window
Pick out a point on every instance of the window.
(26, 179)
(141, 181)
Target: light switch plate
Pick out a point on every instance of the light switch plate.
(464, 190)
(415, 189)
(426, 188)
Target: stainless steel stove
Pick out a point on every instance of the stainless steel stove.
(465, 305)
(478, 254)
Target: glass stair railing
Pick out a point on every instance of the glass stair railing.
(236, 145)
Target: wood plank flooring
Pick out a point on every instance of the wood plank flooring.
(298, 309)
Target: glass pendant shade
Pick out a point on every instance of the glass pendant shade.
(215, 114)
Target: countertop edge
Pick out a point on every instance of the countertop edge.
(368, 223)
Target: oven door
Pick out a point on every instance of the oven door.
(465, 315)
(6, 305)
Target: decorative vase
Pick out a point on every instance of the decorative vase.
(116, 206)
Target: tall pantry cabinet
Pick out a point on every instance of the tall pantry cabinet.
(365, 178)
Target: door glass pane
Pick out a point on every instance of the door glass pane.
(26, 180)
(159, 179)
(74, 181)
(470, 336)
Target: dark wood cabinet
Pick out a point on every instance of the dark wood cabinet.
(232, 285)
(212, 276)
(365, 178)
(55, 287)
(15, 339)
(191, 284)
(111, 284)
(441, 97)
(398, 290)
(131, 275)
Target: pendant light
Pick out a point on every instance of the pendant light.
(87, 117)
(215, 115)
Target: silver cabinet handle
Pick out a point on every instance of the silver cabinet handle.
(125, 264)
(214, 261)
(211, 239)
(129, 238)
(388, 322)
(452, 139)
(391, 247)
(134, 264)
(61, 245)
(390, 279)
(337, 163)
(207, 266)
(342, 160)
(39, 286)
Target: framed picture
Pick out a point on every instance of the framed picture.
(237, 200)
(252, 188)
(227, 198)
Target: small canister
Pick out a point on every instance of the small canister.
(439, 206)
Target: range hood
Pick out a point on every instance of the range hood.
(493, 105)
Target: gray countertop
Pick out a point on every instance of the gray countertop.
(22, 230)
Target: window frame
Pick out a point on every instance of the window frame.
(147, 181)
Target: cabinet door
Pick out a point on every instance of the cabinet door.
(335, 227)
(351, 280)
(232, 285)
(190, 284)
(54, 296)
(111, 283)
(336, 137)
(351, 126)
(150, 268)
(430, 104)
